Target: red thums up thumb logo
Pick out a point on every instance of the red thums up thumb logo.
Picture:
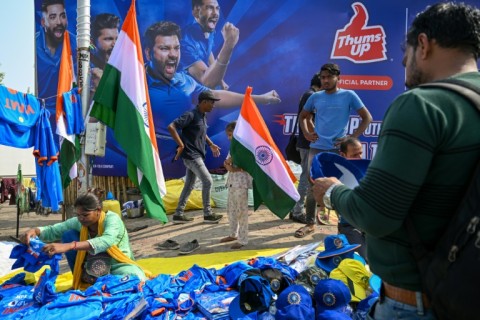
(357, 42)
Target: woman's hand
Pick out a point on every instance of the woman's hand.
(31, 233)
(53, 248)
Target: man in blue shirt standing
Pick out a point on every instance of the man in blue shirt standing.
(49, 45)
(198, 41)
(331, 110)
(172, 93)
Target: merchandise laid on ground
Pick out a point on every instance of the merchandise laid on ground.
(326, 280)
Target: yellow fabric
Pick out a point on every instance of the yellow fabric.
(174, 188)
(113, 251)
(62, 283)
(355, 271)
(217, 260)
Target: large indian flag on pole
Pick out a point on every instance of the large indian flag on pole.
(69, 144)
(254, 150)
(121, 101)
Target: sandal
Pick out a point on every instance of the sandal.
(236, 246)
(228, 239)
(304, 231)
(323, 218)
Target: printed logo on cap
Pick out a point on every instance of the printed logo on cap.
(329, 299)
(275, 285)
(336, 260)
(315, 278)
(294, 298)
(338, 243)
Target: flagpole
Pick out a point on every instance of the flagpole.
(83, 78)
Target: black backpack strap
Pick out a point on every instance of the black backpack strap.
(463, 88)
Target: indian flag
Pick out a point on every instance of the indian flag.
(254, 150)
(69, 144)
(121, 101)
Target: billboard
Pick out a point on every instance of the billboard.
(281, 45)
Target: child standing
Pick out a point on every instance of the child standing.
(238, 183)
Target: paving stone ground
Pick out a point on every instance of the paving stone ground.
(267, 231)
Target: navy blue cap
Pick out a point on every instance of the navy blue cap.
(255, 295)
(294, 303)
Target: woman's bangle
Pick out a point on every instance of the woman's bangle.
(74, 245)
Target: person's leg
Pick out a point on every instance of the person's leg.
(302, 183)
(232, 216)
(354, 236)
(197, 166)
(310, 204)
(71, 255)
(190, 178)
(242, 213)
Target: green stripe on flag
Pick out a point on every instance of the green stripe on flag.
(113, 107)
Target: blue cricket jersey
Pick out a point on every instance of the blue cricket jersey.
(19, 112)
(332, 112)
(194, 46)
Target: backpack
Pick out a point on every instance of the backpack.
(451, 272)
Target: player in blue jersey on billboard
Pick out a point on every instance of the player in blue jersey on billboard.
(49, 45)
(198, 41)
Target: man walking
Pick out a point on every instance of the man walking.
(191, 147)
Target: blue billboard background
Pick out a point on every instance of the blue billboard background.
(282, 44)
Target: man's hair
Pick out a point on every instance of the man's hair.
(347, 142)
(197, 3)
(452, 25)
(231, 126)
(316, 80)
(104, 21)
(162, 28)
(332, 68)
(88, 202)
(47, 3)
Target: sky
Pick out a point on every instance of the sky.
(17, 35)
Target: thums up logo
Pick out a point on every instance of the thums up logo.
(358, 42)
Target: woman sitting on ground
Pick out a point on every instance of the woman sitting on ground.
(95, 243)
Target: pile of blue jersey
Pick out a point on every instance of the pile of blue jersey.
(32, 258)
(116, 297)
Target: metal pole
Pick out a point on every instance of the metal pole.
(83, 78)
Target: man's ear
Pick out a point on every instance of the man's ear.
(196, 12)
(42, 22)
(424, 45)
(147, 54)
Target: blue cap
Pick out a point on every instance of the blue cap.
(331, 294)
(294, 303)
(367, 303)
(336, 245)
(109, 196)
(231, 273)
(348, 171)
(332, 315)
(255, 295)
